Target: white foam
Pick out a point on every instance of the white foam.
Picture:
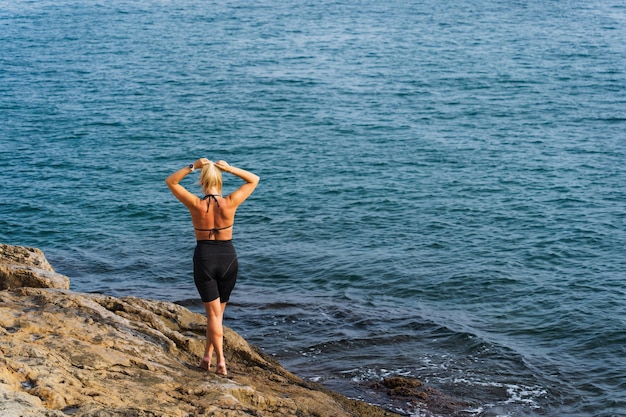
(517, 394)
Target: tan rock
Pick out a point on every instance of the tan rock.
(64, 353)
(28, 267)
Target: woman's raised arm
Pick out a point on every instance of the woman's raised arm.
(187, 198)
(243, 192)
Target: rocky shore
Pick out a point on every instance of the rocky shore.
(66, 353)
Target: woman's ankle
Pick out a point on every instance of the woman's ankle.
(220, 368)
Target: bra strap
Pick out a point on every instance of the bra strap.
(209, 197)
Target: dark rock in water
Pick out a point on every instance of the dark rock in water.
(404, 387)
(403, 392)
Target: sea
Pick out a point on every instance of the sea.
(442, 190)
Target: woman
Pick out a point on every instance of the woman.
(214, 260)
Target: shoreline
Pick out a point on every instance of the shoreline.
(70, 353)
(85, 354)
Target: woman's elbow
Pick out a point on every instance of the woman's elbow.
(170, 182)
(252, 178)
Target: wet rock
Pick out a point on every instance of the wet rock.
(415, 395)
(404, 387)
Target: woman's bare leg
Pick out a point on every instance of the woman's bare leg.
(214, 336)
(208, 350)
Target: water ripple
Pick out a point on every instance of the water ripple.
(442, 184)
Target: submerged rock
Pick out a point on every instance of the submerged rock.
(404, 387)
(406, 392)
(65, 353)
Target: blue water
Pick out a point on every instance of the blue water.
(442, 190)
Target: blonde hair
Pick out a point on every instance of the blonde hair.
(210, 177)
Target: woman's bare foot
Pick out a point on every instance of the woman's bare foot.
(205, 364)
(221, 369)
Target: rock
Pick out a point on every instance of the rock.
(404, 387)
(403, 391)
(65, 353)
(28, 267)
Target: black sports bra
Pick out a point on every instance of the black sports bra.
(213, 230)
